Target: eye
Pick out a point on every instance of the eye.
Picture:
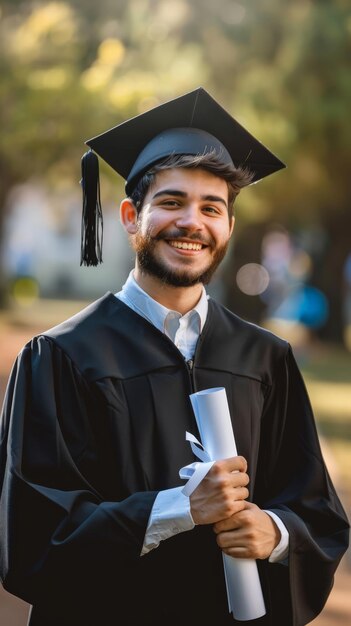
(211, 209)
(170, 203)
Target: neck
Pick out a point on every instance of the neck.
(181, 299)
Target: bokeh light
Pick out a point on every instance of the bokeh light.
(25, 291)
(252, 279)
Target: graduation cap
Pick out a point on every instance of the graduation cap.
(190, 124)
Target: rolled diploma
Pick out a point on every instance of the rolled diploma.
(245, 598)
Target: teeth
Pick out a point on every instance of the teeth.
(182, 245)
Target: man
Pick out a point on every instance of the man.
(95, 528)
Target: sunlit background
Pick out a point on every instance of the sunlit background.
(70, 70)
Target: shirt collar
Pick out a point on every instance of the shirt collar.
(155, 312)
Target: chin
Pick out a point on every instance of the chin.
(176, 277)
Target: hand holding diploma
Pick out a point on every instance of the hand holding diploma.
(249, 534)
(211, 410)
(221, 493)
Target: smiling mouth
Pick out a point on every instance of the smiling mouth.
(186, 245)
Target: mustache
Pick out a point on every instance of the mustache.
(182, 233)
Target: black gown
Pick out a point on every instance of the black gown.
(94, 426)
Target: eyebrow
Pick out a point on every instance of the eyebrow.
(183, 194)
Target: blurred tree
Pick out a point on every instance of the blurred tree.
(70, 70)
(44, 108)
(316, 65)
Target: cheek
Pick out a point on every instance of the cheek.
(144, 225)
(222, 233)
(154, 224)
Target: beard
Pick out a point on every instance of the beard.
(152, 264)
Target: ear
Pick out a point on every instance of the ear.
(128, 216)
(231, 225)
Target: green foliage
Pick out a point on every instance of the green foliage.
(71, 69)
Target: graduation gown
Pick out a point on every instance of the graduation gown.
(94, 426)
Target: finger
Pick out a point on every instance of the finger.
(240, 493)
(239, 479)
(239, 552)
(232, 539)
(231, 523)
(237, 518)
(231, 479)
(233, 464)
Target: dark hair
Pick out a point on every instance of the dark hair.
(235, 177)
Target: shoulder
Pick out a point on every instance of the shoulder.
(85, 337)
(229, 323)
(108, 339)
(90, 318)
(244, 348)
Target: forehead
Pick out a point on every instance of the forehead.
(193, 181)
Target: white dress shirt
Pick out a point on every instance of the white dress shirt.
(171, 514)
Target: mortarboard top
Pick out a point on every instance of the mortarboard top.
(190, 124)
(121, 146)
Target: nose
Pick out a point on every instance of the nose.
(190, 218)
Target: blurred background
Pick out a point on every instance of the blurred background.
(70, 70)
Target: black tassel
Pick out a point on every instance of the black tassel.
(92, 223)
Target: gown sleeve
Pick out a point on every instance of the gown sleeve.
(59, 537)
(294, 483)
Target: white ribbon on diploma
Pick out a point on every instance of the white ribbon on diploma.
(245, 598)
